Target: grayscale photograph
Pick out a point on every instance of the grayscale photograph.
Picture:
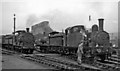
(59, 35)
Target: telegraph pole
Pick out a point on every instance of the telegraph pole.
(14, 40)
(89, 17)
(14, 23)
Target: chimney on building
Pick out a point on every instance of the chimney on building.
(101, 23)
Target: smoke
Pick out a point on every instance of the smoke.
(31, 20)
(61, 18)
(42, 24)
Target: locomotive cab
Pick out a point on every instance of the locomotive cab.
(73, 33)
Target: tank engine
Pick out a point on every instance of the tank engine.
(99, 36)
(99, 41)
(22, 41)
(67, 43)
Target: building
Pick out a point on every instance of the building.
(42, 28)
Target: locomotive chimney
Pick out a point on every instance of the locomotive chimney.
(101, 23)
(27, 29)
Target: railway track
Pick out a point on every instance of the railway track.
(58, 64)
(114, 58)
(105, 66)
(112, 64)
(52, 62)
(8, 52)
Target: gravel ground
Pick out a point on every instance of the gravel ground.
(13, 62)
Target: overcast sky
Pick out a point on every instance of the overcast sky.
(60, 13)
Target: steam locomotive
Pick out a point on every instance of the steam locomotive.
(22, 41)
(96, 43)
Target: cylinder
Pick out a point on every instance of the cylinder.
(101, 23)
(27, 29)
